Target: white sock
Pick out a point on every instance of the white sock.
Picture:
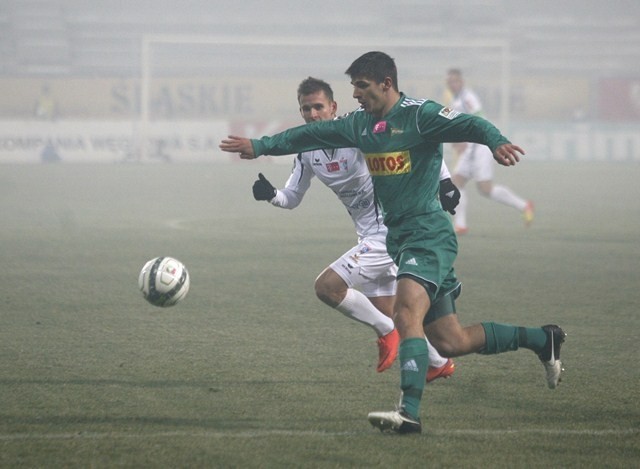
(435, 359)
(460, 218)
(358, 307)
(504, 195)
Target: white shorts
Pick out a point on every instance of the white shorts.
(476, 162)
(368, 268)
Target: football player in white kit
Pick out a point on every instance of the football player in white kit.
(361, 283)
(475, 161)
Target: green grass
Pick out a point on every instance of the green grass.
(252, 370)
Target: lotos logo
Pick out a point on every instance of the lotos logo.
(387, 164)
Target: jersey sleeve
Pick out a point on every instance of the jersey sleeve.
(296, 186)
(438, 123)
(337, 133)
(444, 171)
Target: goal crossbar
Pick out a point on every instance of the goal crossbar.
(149, 41)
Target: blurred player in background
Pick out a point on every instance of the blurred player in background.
(46, 107)
(475, 161)
(361, 284)
(401, 139)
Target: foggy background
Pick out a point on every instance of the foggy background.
(251, 370)
(94, 80)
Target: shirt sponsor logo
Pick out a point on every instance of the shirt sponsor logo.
(388, 164)
(448, 113)
(333, 166)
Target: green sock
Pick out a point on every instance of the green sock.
(504, 337)
(414, 361)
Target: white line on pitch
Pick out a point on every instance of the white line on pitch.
(291, 433)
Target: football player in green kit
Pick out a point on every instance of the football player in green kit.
(402, 141)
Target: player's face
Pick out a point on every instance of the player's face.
(371, 96)
(317, 107)
(454, 83)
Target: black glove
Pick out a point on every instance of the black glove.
(449, 196)
(262, 189)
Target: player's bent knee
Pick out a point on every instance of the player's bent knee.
(450, 346)
(484, 188)
(445, 348)
(330, 288)
(328, 295)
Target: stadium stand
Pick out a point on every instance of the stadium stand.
(79, 37)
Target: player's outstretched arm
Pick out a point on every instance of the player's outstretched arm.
(241, 145)
(507, 154)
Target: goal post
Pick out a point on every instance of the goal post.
(285, 58)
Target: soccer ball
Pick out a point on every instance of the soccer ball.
(164, 281)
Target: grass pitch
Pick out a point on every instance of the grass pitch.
(251, 370)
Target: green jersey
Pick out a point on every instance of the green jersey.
(403, 149)
(404, 155)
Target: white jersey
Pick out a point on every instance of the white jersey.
(367, 265)
(467, 101)
(476, 161)
(345, 172)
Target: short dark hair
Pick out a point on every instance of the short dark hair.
(312, 85)
(375, 66)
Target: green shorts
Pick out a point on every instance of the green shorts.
(443, 306)
(424, 248)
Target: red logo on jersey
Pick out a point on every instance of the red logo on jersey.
(333, 166)
(380, 127)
